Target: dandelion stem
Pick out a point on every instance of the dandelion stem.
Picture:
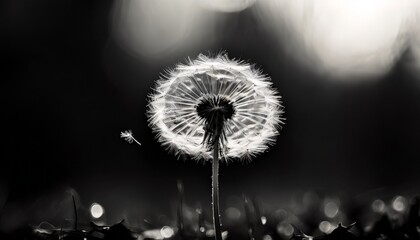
(215, 193)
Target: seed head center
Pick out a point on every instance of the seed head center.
(215, 110)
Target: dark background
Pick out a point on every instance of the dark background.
(68, 89)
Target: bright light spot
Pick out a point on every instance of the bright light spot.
(399, 204)
(166, 232)
(378, 206)
(224, 235)
(233, 213)
(331, 209)
(96, 210)
(263, 220)
(336, 37)
(267, 237)
(325, 227)
(151, 234)
(202, 229)
(285, 229)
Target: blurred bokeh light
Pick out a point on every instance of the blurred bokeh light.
(96, 210)
(160, 28)
(399, 204)
(378, 206)
(344, 38)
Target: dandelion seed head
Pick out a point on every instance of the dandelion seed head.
(252, 108)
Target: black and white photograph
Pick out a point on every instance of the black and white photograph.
(210, 120)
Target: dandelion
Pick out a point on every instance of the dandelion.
(129, 137)
(213, 107)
